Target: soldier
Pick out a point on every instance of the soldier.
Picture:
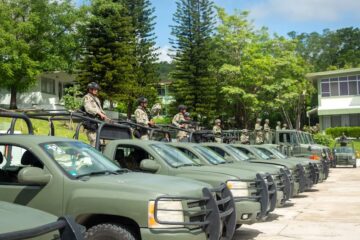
(278, 125)
(267, 131)
(258, 132)
(180, 122)
(244, 138)
(217, 131)
(285, 126)
(92, 106)
(142, 117)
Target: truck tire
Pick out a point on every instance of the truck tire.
(108, 232)
(354, 166)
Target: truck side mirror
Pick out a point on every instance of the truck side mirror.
(149, 165)
(33, 175)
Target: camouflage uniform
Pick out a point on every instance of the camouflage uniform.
(93, 107)
(217, 133)
(244, 138)
(177, 119)
(278, 126)
(258, 132)
(142, 118)
(267, 131)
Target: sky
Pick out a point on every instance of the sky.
(279, 16)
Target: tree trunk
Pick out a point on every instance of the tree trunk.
(111, 107)
(13, 93)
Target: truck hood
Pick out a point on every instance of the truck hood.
(258, 167)
(147, 184)
(16, 217)
(279, 162)
(223, 169)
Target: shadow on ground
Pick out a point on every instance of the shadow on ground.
(272, 217)
(312, 190)
(244, 233)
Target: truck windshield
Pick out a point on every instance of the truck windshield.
(79, 159)
(343, 150)
(277, 153)
(261, 154)
(173, 156)
(239, 155)
(210, 155)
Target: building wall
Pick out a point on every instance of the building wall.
(40, 96)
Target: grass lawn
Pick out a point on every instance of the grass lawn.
(62, 129)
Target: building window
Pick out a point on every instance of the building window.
(48, 85)
(354, 120)
(336, 121)
(325, 88)
(340, 86)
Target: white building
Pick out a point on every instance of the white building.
(338, 97)
(46, 94)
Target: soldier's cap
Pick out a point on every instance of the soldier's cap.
(93, 85)
(182, 107)
(245, 130)
(258, 119)
(142, 100)
(217, 121)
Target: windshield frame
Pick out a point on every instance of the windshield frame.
(75, 177)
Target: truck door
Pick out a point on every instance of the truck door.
(46, 197)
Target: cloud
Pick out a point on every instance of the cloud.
(163, 54)
(306, 10)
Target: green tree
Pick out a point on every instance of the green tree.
(143, 21)
(109, 57)
(257, 74)
(194, 83)
(36, 36)
(330, 49)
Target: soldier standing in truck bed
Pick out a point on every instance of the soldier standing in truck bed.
(258, 132)
(217, 131)
(278, 126)
(142, 118)
(180, 122)
(94, 110)
(267, 131)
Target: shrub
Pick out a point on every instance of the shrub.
(349, 131)
(323, 139)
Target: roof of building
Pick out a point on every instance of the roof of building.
(317, 75)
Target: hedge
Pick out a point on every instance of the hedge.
(349, 131)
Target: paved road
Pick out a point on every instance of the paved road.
(331, 211)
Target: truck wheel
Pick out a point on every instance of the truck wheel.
(108, 232)
(354, 166)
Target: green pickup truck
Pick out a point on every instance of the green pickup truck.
(313, 168)
(297, 169)
(67, 177)
(163, 159)
(20, 222)
(238, 159)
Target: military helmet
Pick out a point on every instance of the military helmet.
(142, 100)
(93, 85)
(182, 107)
(217, 121)
(245, 130)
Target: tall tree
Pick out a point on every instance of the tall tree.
(36, 36)
(109, 57)
(194, 83)
(257, 74)
(330, 49)
(143, 22)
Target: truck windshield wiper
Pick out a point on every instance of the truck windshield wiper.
(104, 172)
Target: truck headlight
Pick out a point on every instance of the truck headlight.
(238, 188)
(176, 214)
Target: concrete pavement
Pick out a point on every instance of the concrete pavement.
(330, 211)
